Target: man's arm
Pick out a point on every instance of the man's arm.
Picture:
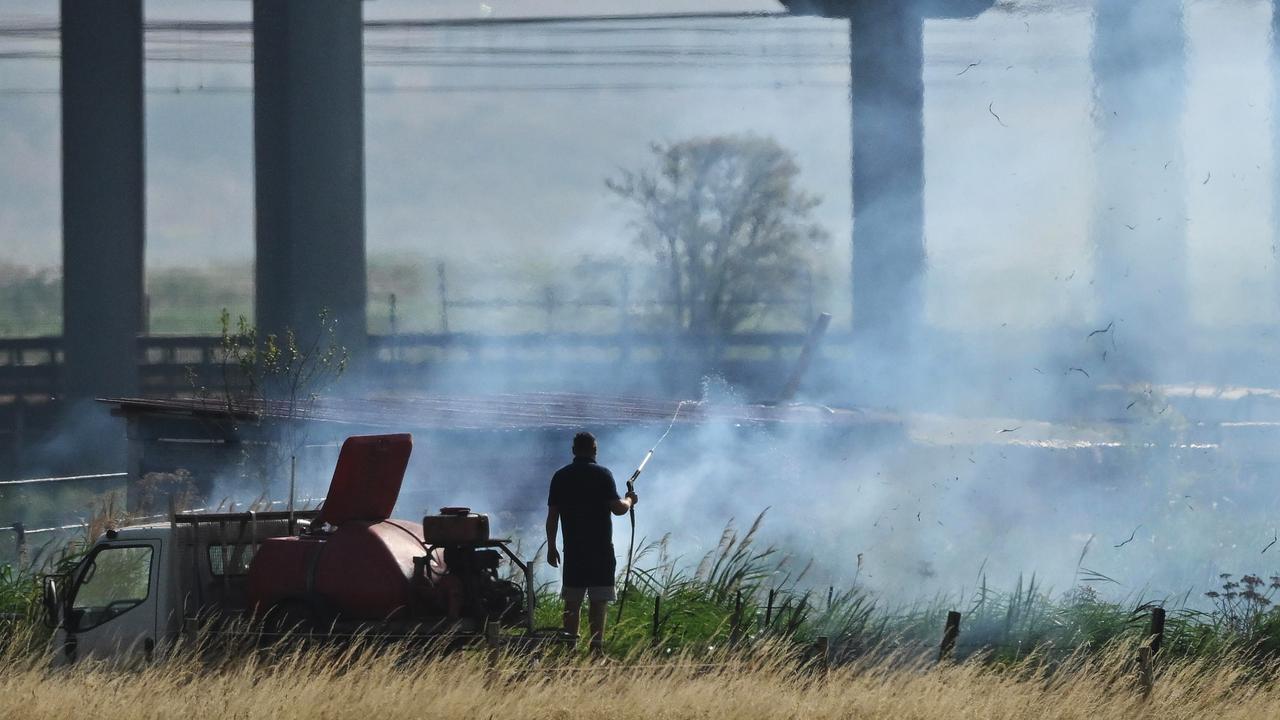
(553, 523)
(622, 505)
(619, 505)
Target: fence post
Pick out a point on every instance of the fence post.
(20, 533)
(768, 610)
(391, 327)
(822, 647)
(550, 302)
(1147, 653)
(1145, 679)
(657, 614)
(491, 639)
(735, 624)
(624, 300)
(950, 633)
(19, 427)
(442, 288)
(1156, 632)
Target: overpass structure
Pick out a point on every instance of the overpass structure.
(309, 179)
(886, 99)
(309, 167)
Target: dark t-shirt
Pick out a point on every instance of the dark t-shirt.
(583, 491)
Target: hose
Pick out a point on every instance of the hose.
(631, 488)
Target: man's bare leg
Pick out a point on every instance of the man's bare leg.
(572, 616)
(596, 614)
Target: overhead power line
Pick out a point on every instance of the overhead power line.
(29, 29)
(408, 54)
(487, 88)
(586, 64)
(570, 19)
(424, 51)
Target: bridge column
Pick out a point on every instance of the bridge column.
(103, 219)
(886, 45)
(1139, 219)
(886, 71)
(1275, 127)
(309, 154)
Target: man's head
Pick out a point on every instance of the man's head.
(584, 445)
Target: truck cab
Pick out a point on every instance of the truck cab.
(138, 588)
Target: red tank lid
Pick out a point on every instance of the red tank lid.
(366, 481)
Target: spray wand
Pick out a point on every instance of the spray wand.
(631, 488)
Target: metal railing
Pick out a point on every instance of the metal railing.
(70, 478)
(305, 508)
(22, 533)
(31, 368)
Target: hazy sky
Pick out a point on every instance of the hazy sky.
(506, 162)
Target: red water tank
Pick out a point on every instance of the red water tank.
(358, 571)
(354, 563)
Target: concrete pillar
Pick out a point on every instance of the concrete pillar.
(103, 219)
(886, 70)
(1275, 129)
(309, 155)
(886, 45)
(1139, 219)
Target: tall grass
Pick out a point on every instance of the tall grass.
(742, 595)
(719, 652)
(771, 682)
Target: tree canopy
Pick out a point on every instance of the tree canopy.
(727, 224)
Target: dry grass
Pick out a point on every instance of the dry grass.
(361, 683)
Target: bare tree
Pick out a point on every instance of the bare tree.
(272, 383)
(727, 224)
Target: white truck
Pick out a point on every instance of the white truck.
(344, 568)
(139, 588)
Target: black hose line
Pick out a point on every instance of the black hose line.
(631, 488)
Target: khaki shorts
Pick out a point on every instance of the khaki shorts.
(595, 593)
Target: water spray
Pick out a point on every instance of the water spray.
(631, 487)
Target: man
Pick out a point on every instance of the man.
(583, 494)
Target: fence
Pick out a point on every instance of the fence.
(421, 295)
(31, 368)
(609, 289)
(24, 536)
(824, 651)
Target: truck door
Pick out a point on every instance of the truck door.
(111, 611)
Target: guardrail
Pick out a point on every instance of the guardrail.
(31, 368)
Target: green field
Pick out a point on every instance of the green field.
(535, 296)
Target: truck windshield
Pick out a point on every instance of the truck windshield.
(116, 580)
